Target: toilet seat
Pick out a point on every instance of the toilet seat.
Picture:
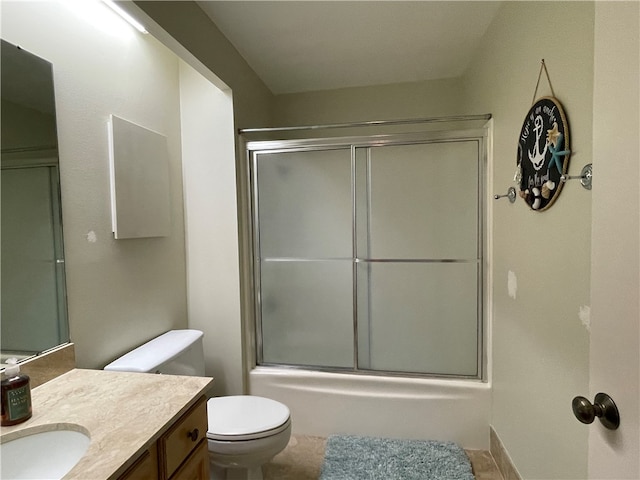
(245, 417)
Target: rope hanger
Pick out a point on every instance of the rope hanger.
(542, 66)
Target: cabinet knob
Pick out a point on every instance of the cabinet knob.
(193, 434)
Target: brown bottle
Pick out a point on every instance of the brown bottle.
(16, 395)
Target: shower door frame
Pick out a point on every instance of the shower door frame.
(256, 147)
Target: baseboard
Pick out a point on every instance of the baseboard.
(501, 457)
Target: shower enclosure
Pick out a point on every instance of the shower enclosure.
(34, 309)
(369, 253)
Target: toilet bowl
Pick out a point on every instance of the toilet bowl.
(244, 431)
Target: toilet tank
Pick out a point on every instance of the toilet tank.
(177, 352)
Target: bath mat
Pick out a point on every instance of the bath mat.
(350, 457)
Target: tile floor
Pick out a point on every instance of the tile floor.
(302, 460)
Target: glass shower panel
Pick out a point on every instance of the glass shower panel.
(370, 257)
(304, 204)
(32, 298)
(424, 201)
(307, 313)
(423, 317)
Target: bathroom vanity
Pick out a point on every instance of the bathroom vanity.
(141, 426)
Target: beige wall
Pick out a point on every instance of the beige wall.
(187, 24)
(213, 285)
(120, 293)
(384, 102)
(123, 293)
(540, 345)
(190, 26)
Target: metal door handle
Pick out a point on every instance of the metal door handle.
(603, 407)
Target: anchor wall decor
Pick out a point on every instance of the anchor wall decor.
(543, 153)
(543, 150)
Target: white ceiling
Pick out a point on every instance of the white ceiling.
(297, 46)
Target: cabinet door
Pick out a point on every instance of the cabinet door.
(197, 466)
(145, 467)
(182, 438)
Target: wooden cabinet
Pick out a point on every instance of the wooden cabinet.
(145, 467)
(181, 440)
(197, 466)
(181, 453)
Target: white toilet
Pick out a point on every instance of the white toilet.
(245, 431)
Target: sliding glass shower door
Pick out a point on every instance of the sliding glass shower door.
(306, 274)
(368, 254)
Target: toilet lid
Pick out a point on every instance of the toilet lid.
(242, 417)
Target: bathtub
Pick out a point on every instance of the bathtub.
(324, 403)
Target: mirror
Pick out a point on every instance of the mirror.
(34, 310)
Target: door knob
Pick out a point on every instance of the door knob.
(603, 407)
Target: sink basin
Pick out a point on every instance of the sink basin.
(42, 455)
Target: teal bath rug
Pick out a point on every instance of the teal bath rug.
(365, 458)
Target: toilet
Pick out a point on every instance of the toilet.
(244, 432)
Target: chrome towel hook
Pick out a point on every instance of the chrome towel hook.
(586, 176)
(511, 195)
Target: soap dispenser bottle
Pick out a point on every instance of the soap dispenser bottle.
(16, 395)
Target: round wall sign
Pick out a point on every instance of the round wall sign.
(543, 153)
